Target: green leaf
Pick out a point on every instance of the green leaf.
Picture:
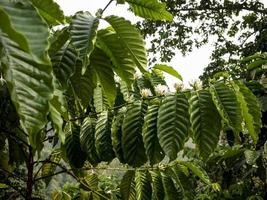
(35, 30)
(120, 1)
(157, 189)
(226, 102)
(30, 87)
(103, 137)
(169, 70)
(64, 62)
(132, 143)
(256, 64)
(206, 122)
(100, 101)
(83, 85)
(131, 39)
(72, 146)
(110, 43)
(83, 35)
(116, 134)
(127, 186)
(87, 138)
(153, 149)
(250, 109)
(170, 191)
(3, 186)
(50, 11)
(142, 185)
(49, 168)
(102, 67)
(90, 182)
(57, 40)
(197, 170)
(150, 9)
(173, 123)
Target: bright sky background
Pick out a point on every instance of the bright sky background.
(190, 66)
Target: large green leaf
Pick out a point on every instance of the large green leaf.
(103, 141)
(153, 149)
(169, 70)
(27, 23)
(83, 35)
(150, 9)
(50, 11)
(173, 123)
(64, 62)
(127, 186)
(72, 146)
(83, 85)
(206, 122)
(142, 185)
(48, 169)
(101, 64)
(226, 102)
(110, 43)
(100, 101)
(30, 86)
(250, 109)
(132, 143)
(57, 40)
(157, 189)
(116, 134)
(131, 39)
(87, 139)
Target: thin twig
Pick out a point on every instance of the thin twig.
(106, 6)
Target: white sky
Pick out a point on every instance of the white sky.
(190, 66)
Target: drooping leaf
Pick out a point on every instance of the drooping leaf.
(173, 123)
(110, 43)
(170, 191)
(30, 86)
(50, 11)
(49, 168)
(57, 40)
(142, 185)
(102, 67)
(72, 146)
(127, 186)
(35, 31)
(103, 141)
(197, 170)
(250, 109)
(116, 134)
(150, 9)
(90, 182)
(83, 85)
(64, 62)
(153, 149)
(131, 39)
(169, 70)
(157, 189)
(132, 143)
(83, 36)
(100, 101)
(87, 138)
(206, 122)
(226, 102)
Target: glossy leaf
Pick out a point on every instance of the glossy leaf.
(203, 112)
(127, 186)
(150, 9)
(83, 36)
(132, 143)
(169, 70)
(170, 191)
(142, 185)
(103, 137)
(131, 40)
(173, 123)
(153, 149)
(157, 189)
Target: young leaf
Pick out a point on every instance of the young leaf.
(130, 39)
(83, 36)
(150, 9)
(206, 122)
(173, 123)
(169, 70)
